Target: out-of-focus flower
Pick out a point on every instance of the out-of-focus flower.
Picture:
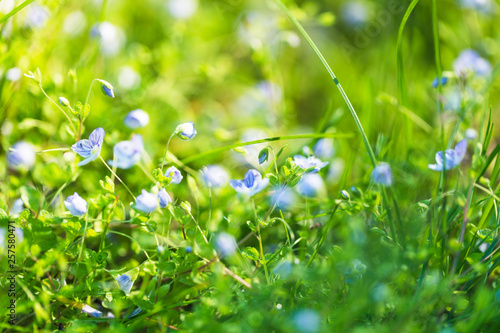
(355, 13)
(311, 185)
(225, 244)
(189, 249)
(382, 175)
(164, 198)
(75, 23)
(435, 82)
(470, 134)
(125, 283)
(63, 101)
(76, 205)
(21, 155)
(484, 6)
(214, 176)
(309, 162)
(251, 184)
(127, 153)
(91, 311)
(17, 207)
(186, 131)
(284, 198)
(13, 74)
(136, 119)
(451, 158)
(182, 9)
(323, 149)
(469, 62)
(36, 16)
(174, 174)
(91, 148)
(307, 321)
(146, 202)
(111, 37)
(128, 78)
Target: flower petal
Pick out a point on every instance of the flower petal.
(97, 136)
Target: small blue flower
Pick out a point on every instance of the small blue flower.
(91, 148)
(127, 153)
(263, 156)
(189, 249)
(146, 202)
(21, 155)
(174, 174)
(345, 195)
(107, 88)
(136, 119)
(76, 205)
(311, 185)
(284, 198)
(125, 283)
(164, 198)
(225, 244)
(444, 80)
(214, 176)
(469, 62)
(324, 149)
(91, 311)
(186, 131)
(382, 174)
(452, 157)
(17, 207)
(63, 101)
(471, 134)
(307, 321)
(251, 184)
(308, 162)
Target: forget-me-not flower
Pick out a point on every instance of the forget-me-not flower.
(136, 119)
(382, 175)
(214, 176)
(76, 205)
(225, 244)
(91, 311)
(21, 155)
(146, 202)
(91, 148)
(435, 82)
(125, 283)
(251, 184)
(284, 197)
(451, 158)
(307, 321)
(469, 61)
(164, 198)
(186, 131)
(308, 162)
(174, 174)
(311, 185)
(127, 153)
(324, 149)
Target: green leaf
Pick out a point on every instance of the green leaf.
(250, 253)
(281, 151)
(108, 186)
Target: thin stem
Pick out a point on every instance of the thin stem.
(143, 168)
(464, 225)
(334, 78)
(15, 10)
(209, 207)
(83, 240)
(57, 105)
(88, 93)
(55, 149)
(114, 174)
(166, 150)
(260, 243)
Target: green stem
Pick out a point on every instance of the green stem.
(334, 78)
(276, 138)
(260, 244)
(15, 10)
(114, 174)
(88, 93)
(166, 150)
(57, 105)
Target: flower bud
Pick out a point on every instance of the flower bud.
(63, 101)
(107, 88)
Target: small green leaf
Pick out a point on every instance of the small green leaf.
(250, 253)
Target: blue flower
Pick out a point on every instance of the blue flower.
(263, 156)
(107, 88)
(186, 131)
(452, 157)
(469, 62)
(324, 149)
(91, 148)
(189, 249)
(76, 205)
(146, 202)
(164, 198)
(225, 244)
(63, 101)
(17, 207)
(91, 311)
(127, 153)
(214, 176)
(21, 155)
(382, 174)
(307, 321)
(435, 82)
(251, 184)
(136, 119)
(311, 185)
(471, 134)
(125, 283)
(174, 174)
(309, 162)
(284, 198)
